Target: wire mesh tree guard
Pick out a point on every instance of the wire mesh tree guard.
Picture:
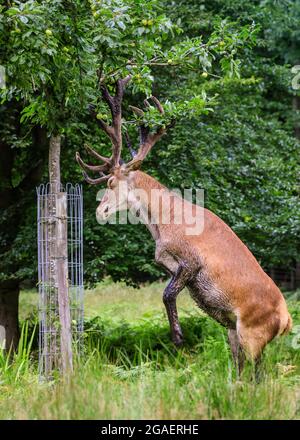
(60, 276)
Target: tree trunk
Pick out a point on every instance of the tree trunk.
(61, 252)
(54, 162)
(58, 247)
(9, 322)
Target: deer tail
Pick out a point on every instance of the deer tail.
(287, 325)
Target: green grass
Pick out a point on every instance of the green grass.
(131, 370)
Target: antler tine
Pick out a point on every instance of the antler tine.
(94, 181)
(98, 156)
(115, 105)
(94, 168)
(157, 104)
(138, 111)
(99, 168)
(147, 142)
(147, 139)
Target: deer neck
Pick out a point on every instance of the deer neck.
(146, 191)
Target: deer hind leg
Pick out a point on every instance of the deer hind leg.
(175, 286)
(253, 342)
(236, 350)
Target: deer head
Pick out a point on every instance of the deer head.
(119, 175)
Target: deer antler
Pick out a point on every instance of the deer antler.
(115, 105)
(147, 139)
(114, 132)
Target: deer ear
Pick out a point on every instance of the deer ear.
(134, 165)
(111, 182)
(127, 173)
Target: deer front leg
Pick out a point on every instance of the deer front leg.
(176, 284)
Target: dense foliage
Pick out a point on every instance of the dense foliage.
(228, 56)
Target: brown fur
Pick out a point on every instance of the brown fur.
(247, 298)
(222, 275)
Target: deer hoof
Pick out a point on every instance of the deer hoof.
(178, 340)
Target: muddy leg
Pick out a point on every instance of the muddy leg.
(175, 286)
(236, 350)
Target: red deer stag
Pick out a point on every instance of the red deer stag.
(222, 275)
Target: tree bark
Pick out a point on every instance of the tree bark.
(58, 263)
(54, 161)
(61, 251)
(9, 322)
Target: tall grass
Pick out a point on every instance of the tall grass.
(131, 370)
(16, 365)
